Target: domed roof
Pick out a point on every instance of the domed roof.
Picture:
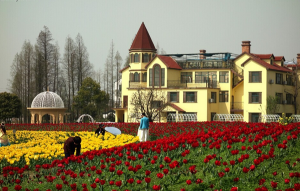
(47, 99)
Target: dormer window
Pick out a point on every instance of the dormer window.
(271, 61)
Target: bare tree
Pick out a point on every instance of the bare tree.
(118, 61)
(69, 68)
(149, 101)
(56, 59)
(46, 48)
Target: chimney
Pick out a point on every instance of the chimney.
(246, 46)
(202, 52)
(298, 58)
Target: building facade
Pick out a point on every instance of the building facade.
(205, 84)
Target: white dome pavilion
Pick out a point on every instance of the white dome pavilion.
(47, 103)
(47, 99)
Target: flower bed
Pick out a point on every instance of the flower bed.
(194, 156)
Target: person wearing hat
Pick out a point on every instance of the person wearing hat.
(100, 130)
(143, 131)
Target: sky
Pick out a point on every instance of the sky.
(178, 26)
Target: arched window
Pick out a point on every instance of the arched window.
(136, 77)
(157, 76)
(146, 57)
(136, 57)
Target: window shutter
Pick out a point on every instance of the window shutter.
(139, 57)
(250, 97)
(139, 77)
(259, 97)
(131, 56)
(260, 77)
(143, 58)
(177, 97)
(169, 97)
(184, 97)
(250, 79)
(195, 97)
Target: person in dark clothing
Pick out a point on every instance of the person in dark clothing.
(100, 130)
(70, 144)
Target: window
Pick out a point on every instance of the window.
(145, 57)
(156, 104)
(214, 97)
(190, 97)
(173, 97)
(254, 97)
(144, 78)
(204, 77)
(224, 77)
(255, 77)
(278, 78)
(279, 98)
(157, 76)
(136, 77)
(289, 98)
(186, 77)
(136, 57)
(223, 96)
(254, 117)
(289, 79)
(271, 61)
(212, 114)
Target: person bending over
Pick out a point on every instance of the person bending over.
(100, 130)
(70, 144)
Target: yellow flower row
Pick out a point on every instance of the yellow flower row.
(34, 145)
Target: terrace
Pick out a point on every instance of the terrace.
(204, 60)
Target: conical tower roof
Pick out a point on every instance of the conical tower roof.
(142, 40)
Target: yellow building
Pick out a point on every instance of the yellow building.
(205, 84)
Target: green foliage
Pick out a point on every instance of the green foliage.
(272, 104)
(90, 98)
(10, 106)
(285, 120)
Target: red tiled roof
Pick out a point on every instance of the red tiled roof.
(176, 107)
(123, 69)
(266, 65)
(279, 58)
(142, 40)
(263, 56)
(167, 60)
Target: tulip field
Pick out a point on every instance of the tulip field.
(225, 156)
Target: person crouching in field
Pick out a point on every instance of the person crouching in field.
(100, 130)
(70, 144)
(4, 141)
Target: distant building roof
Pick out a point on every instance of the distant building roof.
(266, 65)
(263, 56)
(142, 40)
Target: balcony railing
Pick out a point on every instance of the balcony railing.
(119, 104)
(192, 84)
(137, 84)
(206, 64)
(237, 106)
